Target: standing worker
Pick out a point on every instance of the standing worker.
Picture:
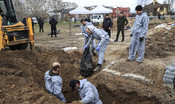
(138, 34)
(24, 21)
(86, 36)
(41, 24)
(53, 22)
(121, 22)
(53, 81)
(103, 38)
(33, 26)
(87, 91)
(107, 24)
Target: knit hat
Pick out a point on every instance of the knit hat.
(138, 8)
(72, 84)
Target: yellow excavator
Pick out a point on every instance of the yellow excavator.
(13, 33)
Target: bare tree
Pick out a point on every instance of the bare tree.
(36, 8)
(143, 2)
(171, 3)
(19, 10)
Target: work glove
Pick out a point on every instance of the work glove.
(85, 47)
(86, 36)
(141, 38)
(98, 48)
(131, 35)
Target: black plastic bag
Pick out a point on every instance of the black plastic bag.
(86, 65)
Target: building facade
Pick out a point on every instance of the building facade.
(155, 9)
(117, 11)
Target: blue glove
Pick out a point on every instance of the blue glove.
(98, 48)
(85, 47)
(86, 35)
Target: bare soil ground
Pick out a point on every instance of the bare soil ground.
(22, 72)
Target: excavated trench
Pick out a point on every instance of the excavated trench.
(123, 97)
(22, 79)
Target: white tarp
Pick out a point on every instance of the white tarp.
(79, 10)
(69, 48)
(164, 25)
(101, 9)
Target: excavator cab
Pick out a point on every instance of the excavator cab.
(13, 33)
(7, 12)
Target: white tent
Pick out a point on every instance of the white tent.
(79, 10)
(173, 7)
(101, 9)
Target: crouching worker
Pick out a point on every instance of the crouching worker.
(103, 38)
(87, 91)
(83, 30)
(53, 81)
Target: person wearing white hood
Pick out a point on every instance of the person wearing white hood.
(138, 34)
(83, 30)
(53, 81)
(103, 38)
(87, 91)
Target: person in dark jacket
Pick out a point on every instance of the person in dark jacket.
(121, 22)
(41, 24)
(88, 19)
(107, 24)
(53, 22)
(33, 26)
(24, 21)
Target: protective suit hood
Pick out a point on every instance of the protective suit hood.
(47, 76)
(143, 13)
(91, 28)
(82, 83)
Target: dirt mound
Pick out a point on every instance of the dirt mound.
(22, 79)
(117, 90)
(150, 71)
(160, 44)
(121, 91)
(22, 75)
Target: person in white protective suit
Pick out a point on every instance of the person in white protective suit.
(86, 36)
(138, 34)
(87, 91)
(103, 38)
(53, 81)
